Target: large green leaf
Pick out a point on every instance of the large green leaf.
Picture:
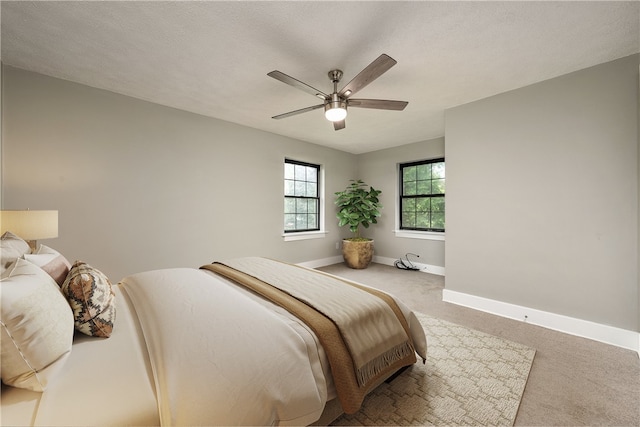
(358, 205)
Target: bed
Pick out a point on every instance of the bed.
(191, 346)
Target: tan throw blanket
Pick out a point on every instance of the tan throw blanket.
(362, 330)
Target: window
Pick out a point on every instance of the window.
(422, 189)
(301, 196)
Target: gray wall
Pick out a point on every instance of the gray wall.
(380, 170)
(542, 195)
(140, 186)
(1, 133)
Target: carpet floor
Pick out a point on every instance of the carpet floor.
(573, 381)
(470, 378)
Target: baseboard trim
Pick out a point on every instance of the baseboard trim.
(322, 262)
(423, 268)
(569, 325)
(557, 322)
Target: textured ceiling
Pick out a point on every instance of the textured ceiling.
(212, 58)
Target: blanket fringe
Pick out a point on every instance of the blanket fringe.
(373, 367)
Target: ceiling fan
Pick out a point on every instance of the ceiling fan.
(335, 104)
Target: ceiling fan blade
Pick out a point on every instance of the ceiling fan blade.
(381, 104)
(369, 74)
(297, 84)
(300, 111)
(339, 125)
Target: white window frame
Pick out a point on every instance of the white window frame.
(315, 234)
(411, 234)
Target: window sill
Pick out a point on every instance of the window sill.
(305, 235)
(425, 235)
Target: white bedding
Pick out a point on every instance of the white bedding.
(246, 365)
(211, 371)
(104, 382)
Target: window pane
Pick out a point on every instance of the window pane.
(438, 186)
(302, 201)
(300, 172)
(409, 174)
(312, 189)
(312, 206)
(423, 187)
(422, 199)
(409, 188)
(409, 220)
(301, 222)
(288, 171)
(422, 220)
(289, 205)
(437, 204)
(424, 171)
(312, 221)
(437, 220)
(301, 206)
(438, 170)
(408, 205)
(312, 174)
(289, 222)
(423, 204)
(300, 188)
(289, 188)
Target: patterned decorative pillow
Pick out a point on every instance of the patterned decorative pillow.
(91, 298)
(50, 261)
(12, 247)
(36, 327)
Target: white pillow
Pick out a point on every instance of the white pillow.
(51, 261)
(37, 327)
(12, 247)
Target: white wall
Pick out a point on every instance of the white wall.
(140, 186)
(380, 170)
(542, 196)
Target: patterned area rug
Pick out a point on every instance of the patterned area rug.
(470, 378)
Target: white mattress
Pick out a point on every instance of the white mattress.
(104, 382)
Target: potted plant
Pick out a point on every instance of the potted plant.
(358, 205)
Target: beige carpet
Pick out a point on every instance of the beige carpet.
(470, 378)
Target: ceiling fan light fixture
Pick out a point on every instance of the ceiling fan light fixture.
(336, 109)
(335, 104)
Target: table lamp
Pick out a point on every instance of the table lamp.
(30, 225)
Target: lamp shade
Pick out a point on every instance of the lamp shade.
(30, 225)
(335, 114)
(335, 111)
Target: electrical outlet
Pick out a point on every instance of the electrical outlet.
(337, 245)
